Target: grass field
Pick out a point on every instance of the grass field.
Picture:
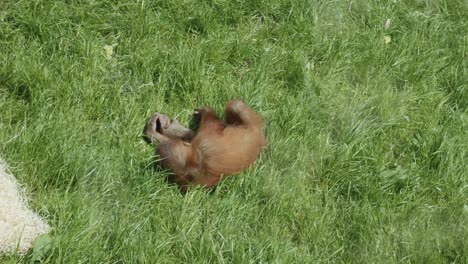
(367, 157)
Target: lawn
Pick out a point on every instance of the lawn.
(367, 127)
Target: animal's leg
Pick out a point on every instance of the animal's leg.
(239, 113)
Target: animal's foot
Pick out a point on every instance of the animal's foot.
(155, 125)
(236, 106)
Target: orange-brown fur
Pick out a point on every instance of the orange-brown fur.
(218, 148)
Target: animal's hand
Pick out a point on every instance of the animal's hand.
(199, 112)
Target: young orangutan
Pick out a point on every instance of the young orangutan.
(218, 148)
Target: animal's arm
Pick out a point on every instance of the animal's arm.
(208, 120)
(163, 125)
(176, 130)
(206, 180)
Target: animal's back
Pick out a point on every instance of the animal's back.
(233, 150)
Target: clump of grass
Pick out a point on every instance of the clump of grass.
(366, 160)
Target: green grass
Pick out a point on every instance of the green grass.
(367, 160)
